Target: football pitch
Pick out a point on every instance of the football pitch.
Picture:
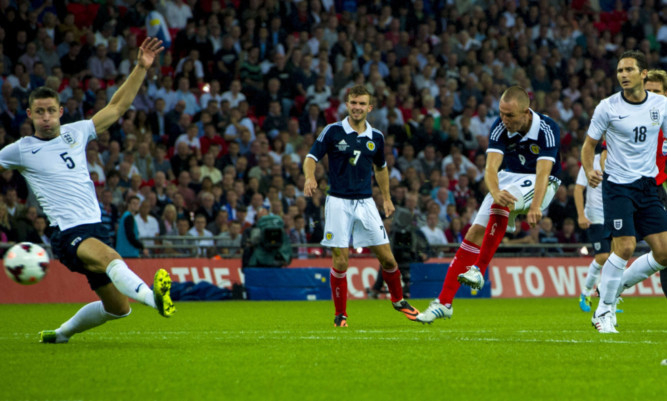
(492, 349)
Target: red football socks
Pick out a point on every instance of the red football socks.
(338, 282)
(465, 256)
(393, 280)
(495, 231)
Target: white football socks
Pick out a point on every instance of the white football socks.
(591, 278)
(128, 283)
(91, 315)
(641, 269)
(612, 272)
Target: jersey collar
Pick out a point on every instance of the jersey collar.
(533, 132)
(348, 129)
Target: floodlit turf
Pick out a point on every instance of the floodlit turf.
(529, 349)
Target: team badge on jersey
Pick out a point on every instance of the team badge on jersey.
(68, 138)
(535, 149)
(618, 224)
(342, 145)
(328, 236)
(370, 145)
(655, 115)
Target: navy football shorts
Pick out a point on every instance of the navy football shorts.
(633, 209)
(600, 238)
(65, 244)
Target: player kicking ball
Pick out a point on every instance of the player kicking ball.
(53, 162)
(355, 151)
(529, 144)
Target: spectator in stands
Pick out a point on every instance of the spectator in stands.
(205, 246)
(220, 224)
(433, 231)
(229, 242)
(147, 225)
(101, 66)
(183, 93)
(207, 207)
(561, 208)
(548, 235)
(128, 244)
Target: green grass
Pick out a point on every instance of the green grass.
(522, 349)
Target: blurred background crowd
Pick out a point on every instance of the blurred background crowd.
(217, 134)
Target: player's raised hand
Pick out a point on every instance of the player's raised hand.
(309, 187)
(594, 178)
(148, 50)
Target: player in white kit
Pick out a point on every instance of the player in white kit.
(53, 162)
(631, 121)
(591, 218)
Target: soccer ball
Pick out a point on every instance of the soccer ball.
(26, 263)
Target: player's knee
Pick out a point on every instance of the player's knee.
(116, 305)
(340, 265)
(624, 252)
(660, 256)
(389, 264)
(119, 313)
(601, 258)
(108, 256)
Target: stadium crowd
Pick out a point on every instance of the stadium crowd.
(217, 134)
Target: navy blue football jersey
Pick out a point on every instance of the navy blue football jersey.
(521, 152)
(351, 158)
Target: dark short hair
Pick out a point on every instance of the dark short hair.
(639, 57)
(43, 92)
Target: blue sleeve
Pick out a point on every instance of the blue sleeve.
(378, 157)
(496, 135)
(319, 148)
(550, 139)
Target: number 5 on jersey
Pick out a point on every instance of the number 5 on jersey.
(68, 160)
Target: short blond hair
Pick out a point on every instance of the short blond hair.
(658, 76)
(517, 94)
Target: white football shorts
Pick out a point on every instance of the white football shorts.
(522, 186)
(358, 218)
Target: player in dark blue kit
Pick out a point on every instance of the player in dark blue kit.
(355, 151)
(529, 144)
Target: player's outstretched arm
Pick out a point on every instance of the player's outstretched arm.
(587, 155)
(124, 96)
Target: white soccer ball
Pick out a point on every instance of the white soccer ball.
(26, 263)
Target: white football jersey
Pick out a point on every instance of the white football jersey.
(57, 172)
(593, 209)
(631, 131)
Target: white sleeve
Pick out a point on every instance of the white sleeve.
(581, 178)
(85, 127)
(10, 156)
(599, 122)
(664, 119)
